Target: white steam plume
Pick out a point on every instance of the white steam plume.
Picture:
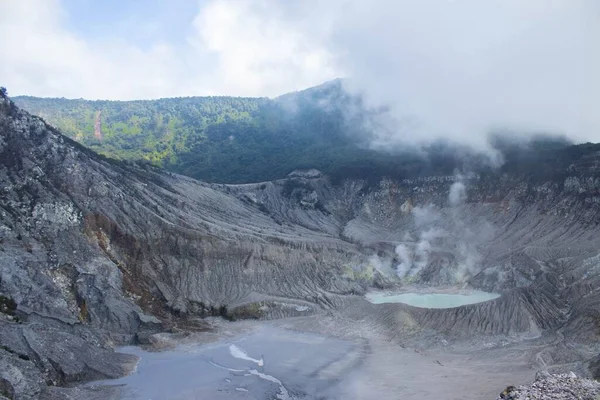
(457, 194)
(444, 229)
(405, 256)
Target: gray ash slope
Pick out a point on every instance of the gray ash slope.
(97, 253)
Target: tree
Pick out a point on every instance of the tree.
(3, 92)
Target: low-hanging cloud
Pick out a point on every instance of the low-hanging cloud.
(464, 68)
(443, 69)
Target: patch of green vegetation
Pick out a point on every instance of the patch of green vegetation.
(208, 310)
(247, 311)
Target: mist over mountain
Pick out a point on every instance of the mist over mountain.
(239, 140)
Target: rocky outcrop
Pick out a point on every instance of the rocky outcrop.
(554, 387)
(96, 252)
(594, 367)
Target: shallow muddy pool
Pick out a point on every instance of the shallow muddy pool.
(432, 300)
(266, 364)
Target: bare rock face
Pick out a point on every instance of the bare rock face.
(96, 253)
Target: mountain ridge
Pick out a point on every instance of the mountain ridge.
(216, 138)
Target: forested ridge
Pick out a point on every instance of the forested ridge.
(219, 139)
(238, 140)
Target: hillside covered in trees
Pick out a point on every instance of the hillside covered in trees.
(240, 140)
(219, 139)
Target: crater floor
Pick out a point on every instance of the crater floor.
(276, 360)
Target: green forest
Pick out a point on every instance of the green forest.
(217, 139)
(240, 140)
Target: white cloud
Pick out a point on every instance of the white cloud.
(259, 49)
(40, 57)
(460, 68)
(235, 48)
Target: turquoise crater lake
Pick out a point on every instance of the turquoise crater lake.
(432, 300)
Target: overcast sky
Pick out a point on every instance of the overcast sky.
(448, 68)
